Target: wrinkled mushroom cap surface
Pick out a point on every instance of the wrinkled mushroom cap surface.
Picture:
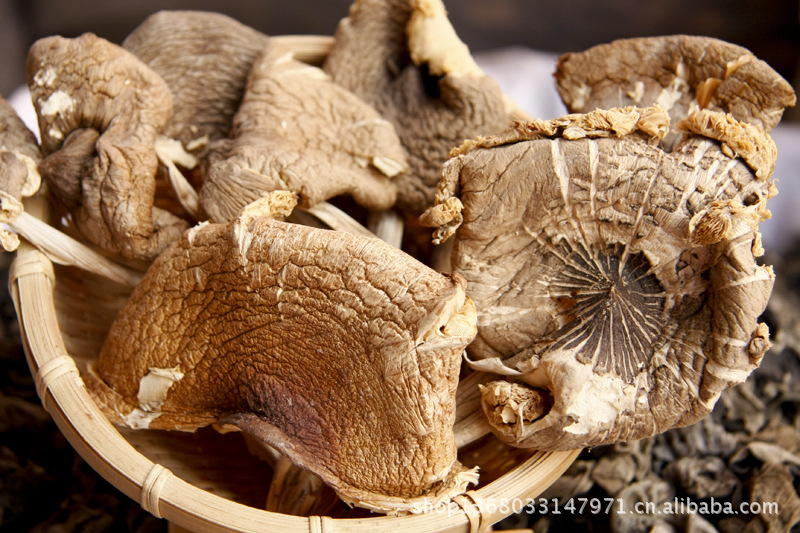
(99, 111)
(611, 278)
(677, 72)
(340, 351)
(205, 59)
(404, 58)
(297, 130)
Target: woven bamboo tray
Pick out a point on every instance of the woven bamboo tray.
(206, 482)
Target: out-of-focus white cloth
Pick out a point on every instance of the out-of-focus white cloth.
(527, 77)
(20, 100)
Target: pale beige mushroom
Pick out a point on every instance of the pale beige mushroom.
(19, 173)
(100, 110)
(677, 72)
(404, 58)
(614, 281)
(774, 499)
(340, 351)
(297, 130)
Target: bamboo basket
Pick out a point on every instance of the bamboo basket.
(203, 482)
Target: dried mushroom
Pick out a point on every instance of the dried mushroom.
(100, 110)
(340, 351)
(404, 58)
(205, 59)
(296, 130)
(706, 477)
(652, 495)
(19, 173)
(775, 497)
(613, 280)
(677, 72)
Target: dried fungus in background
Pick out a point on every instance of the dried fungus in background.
(679, 73)
(205, 59)
(19, 172)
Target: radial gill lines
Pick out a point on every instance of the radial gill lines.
(611, 313)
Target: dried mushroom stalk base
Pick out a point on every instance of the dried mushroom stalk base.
(616, 283)
(340, 351)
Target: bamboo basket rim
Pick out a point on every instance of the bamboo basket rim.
(32, 281)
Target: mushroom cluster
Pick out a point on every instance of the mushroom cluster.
(603, 283)
(190, 152)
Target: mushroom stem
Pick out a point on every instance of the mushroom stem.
(387, 225)
(337, 219)
(64, 250)
(308, 49)
(470, 423)
(170, 152)
(298, 492)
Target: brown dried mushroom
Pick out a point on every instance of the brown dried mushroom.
(616, 284)
(100, 110)
(205, 59)
(340, 351)
(677, 72)
(296, 130)
(404, 58)
(19, 173)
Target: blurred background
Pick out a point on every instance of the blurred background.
(769, 29)
(46, 488)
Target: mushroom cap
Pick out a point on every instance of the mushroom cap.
(404, 58)
(340, 351)
(297, 130)
(610, 275)
(677, 72)
(205, 59)
(99, 111)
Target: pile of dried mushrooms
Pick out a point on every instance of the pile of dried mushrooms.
(602, 280)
